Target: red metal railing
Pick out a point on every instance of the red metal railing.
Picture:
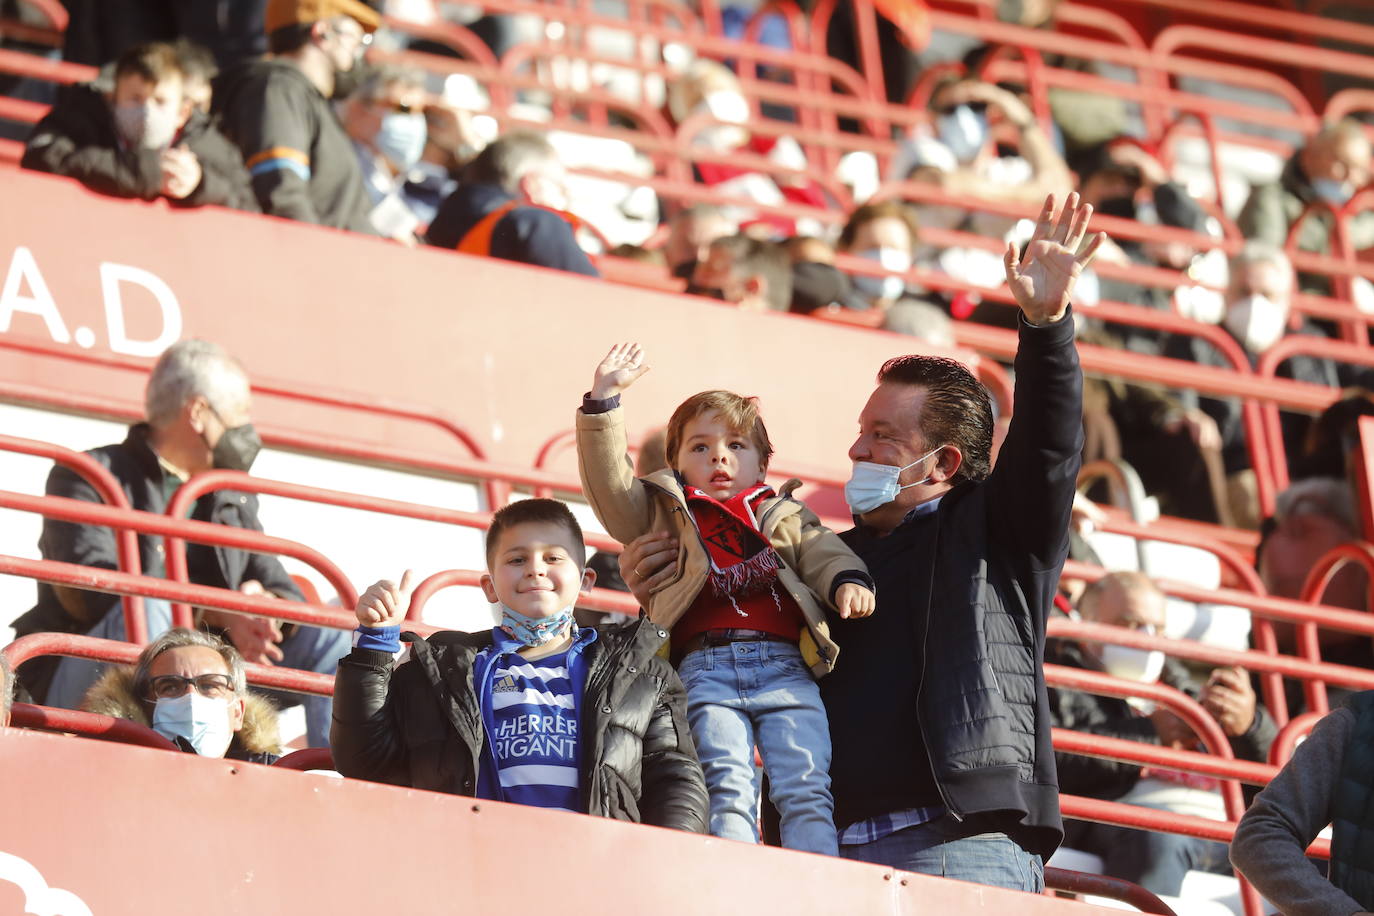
(211, 481)
(1202, 724)
(81, 512)
(109, 489)
(1077, 882)
(91, 725)
(600, 599)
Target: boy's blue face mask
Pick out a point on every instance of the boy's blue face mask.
(536, 631)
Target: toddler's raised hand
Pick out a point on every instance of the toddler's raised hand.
(854, 600)
(618, 370)
(385, 603)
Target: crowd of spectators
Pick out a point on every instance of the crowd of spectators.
(274, 110)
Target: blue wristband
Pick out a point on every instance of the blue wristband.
(381, 639)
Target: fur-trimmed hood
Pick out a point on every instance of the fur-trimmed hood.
(113, 695)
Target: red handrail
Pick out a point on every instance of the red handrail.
(110, 490)
(106, 580)
(1286, 741)
(1077, 882)
(600, 599)
(1088, 745)
(307, 758)
(72, 645)
(1265, 660)
(210, 481)
(85, 513)
(91, 725)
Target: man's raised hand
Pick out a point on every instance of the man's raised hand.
(618, 370)
(385, 603)
(1042, 278)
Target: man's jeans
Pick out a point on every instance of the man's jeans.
(308, 648)
(944, 847)
(761, 693)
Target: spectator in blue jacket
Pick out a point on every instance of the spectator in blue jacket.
(512, 204)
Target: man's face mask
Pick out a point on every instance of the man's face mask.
(401, 138)
(202, 721)
(1140, 665)
(1257, 322)
(237, 447)
(964, 131)
(872, 485)
(147, 125)
(730, 107)
(1334, 192)
(884, 287)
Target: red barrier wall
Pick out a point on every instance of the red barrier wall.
(161, 833)
(505, 349)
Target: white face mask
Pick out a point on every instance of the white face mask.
(1257, 322)
(888, 287)
(1140, 665)
(964, 131)
(202, 721)
(727, 106)
(873, 485)
(146, 126)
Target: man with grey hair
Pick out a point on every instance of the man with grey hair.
(198, 405)
(1156, 861)
(189, 687)
(1258, 315)
(385, 119)
(511, 203)
(1334, 164)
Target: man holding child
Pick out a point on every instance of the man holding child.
(937, 705)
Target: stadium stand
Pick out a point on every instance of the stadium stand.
(382, 377)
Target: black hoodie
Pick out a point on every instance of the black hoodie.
(530, 235)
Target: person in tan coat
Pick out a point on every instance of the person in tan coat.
(746, 606)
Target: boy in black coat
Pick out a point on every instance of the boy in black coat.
(143, 139)
(536, 711)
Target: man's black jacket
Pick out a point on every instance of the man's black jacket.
(418, 724)
(77, 138)
(148, 488)
(989, 564)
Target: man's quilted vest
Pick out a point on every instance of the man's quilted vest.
(1352, 830)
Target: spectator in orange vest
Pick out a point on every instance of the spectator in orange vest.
(512, 204)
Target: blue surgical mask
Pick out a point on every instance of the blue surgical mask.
(202, 721)
(402, 138)
(964, 131)
(536, 631)
(888, 287)
(873, 485)
(1332, 191)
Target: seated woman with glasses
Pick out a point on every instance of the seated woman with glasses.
(189, 687)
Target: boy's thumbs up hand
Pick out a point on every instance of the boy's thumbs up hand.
(385, 603)
(618, 370)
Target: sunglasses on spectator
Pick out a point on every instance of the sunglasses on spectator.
(975, 107)
(171, 686)
(402, 107)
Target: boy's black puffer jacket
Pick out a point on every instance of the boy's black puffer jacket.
(420, 726)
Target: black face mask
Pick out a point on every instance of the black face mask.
(236, 448)
(1123, 207)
